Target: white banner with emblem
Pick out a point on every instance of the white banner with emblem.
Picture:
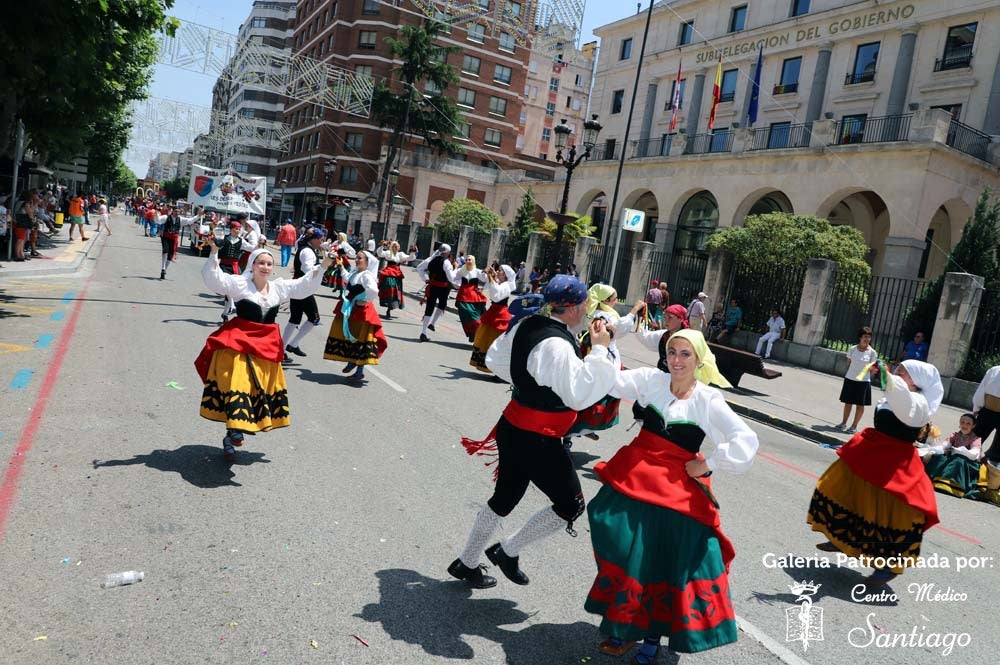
(227, 191)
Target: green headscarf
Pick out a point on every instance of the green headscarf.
(706, 371)
(596, 296)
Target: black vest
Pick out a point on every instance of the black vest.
(172, 225)
(435, 269)
(473, 282)
(686, 435)
(297, 264)
(529, 334)
(251, 311)
(887, 423)
(231, 248)
(661, 364)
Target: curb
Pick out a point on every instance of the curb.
(797, 429)
(64, 269)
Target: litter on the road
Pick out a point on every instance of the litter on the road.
(314, 644)
(359, 639)
(40, 638)
(123, 579)
(173, 384)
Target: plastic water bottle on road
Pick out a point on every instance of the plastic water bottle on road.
(122, 579)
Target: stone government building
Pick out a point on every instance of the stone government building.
(880, 115)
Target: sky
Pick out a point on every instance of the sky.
(226, 15)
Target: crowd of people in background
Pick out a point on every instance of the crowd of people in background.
(29, 222)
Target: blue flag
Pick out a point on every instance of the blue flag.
(755, 90)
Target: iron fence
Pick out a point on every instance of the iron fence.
(984, 351)
(449, 235)
(879, 302)
(759, 291)
(862, 129)
(777, 137)
(702, 143)
(967, 139)
(378, 231)
(686, 275)
(601, 258)
(425, 241)
(479, 246)
(652, 147)
(561, 256)
(511, 252)
(601, 153)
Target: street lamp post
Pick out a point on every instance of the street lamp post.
(385, 211)
(281, 208)
(591, 128)
(328, 170)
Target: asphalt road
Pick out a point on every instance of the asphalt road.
(328, 541)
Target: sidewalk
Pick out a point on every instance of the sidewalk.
(801, 401)
(59, 255)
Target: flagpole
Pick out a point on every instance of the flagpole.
(621, 158)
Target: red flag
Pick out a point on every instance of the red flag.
(677, 99)
(716, 96)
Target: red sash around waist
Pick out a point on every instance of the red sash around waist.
(894, 466)
(439, 283)
(651, 469)
(234, 264)
(554, 424)
(256, 339)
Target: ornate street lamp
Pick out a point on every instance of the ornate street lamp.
(570, 161)
(328, 170)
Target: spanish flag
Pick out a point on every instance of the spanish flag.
(716, 96)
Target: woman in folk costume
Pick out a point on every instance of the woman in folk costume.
(334, 275)
(601, 301)
(876, 501)
(674, 319)
(240, 365)
(662, 559)
(469, 300)
(390, 278)
(356, 335)
(499, 284)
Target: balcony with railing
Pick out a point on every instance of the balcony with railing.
(727, 97)
(785, 89)
(778, 137)
(700, 144)
(968, 140)
(854, 78)
(958, 58)
(873, 130)
(602, 154)
(652, 147)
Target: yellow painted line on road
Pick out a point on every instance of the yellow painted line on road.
(38, 286)
(13, 348)
(26, 308)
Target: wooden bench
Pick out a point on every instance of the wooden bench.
(733, 364)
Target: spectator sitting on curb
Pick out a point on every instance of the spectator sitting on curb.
(915, 349)
(734, 315)
(774, 329)
(715, 324)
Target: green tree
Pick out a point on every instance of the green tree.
(783, 239)
(976, 253)
(123, 180)
(580, 227)
(416, 98)
(176, 188)
(72, 95)
(467, 212)
(524, 224)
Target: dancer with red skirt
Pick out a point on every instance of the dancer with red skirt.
(662, 559)
(499, 284)
(390, 278)
(356, 335)
(470, 301)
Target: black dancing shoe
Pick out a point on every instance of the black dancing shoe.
(476, 577)
(296, 350)
(424, 338)
(431, 327)
(163, 274)
(507, 564)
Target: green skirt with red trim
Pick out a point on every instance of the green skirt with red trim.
(658, 573)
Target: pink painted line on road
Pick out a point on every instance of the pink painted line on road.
(792, 467)
(8, 488)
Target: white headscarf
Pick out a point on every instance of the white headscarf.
(509, 272)
(372, 263)
(248, 272)
(926, 377)
(444, 248)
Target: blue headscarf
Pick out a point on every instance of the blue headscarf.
(522, 306)
(565, 291)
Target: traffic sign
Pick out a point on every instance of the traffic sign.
(633, 220)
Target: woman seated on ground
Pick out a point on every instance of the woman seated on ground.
(954, 467)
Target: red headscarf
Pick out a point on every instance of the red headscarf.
(681, 313)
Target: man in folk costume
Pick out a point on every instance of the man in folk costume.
(170, 237)
(251, 237)
(439, 273)
(539, 356)
(302, 265)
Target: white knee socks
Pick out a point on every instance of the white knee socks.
(486, 523)
(542, 524)
(437, 315)
(287, 333)
(303, 331)
(427, 322)
(165, 263)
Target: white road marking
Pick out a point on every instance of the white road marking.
(389, 382)
(786, 655)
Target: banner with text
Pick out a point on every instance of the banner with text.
(225, 190)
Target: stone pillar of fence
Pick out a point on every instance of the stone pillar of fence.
(742, 140)
(463, 240)
(956, 321)
(582, 254)
(678, 144)
(718, 273)
(930, 125)
(824, 133)
(536, 254)
(498, 240)
(642, 265)
(814, 305)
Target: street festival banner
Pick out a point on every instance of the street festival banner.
(226, 191)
